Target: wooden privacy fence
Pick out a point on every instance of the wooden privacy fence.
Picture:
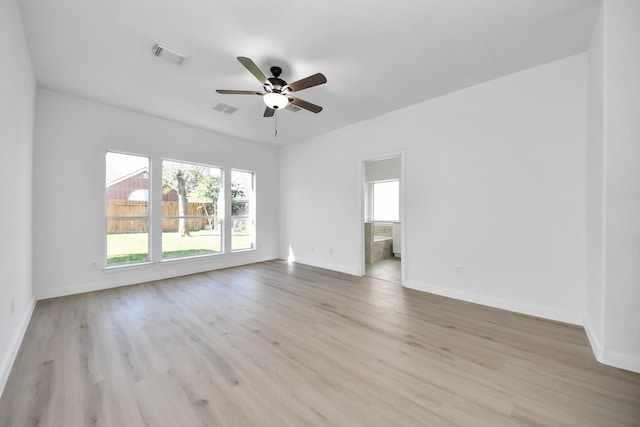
(129, 208)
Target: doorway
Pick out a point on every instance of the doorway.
(382, 213)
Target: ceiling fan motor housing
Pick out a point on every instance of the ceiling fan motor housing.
(276, 90)
(277, 85)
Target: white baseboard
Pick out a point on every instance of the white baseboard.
(328, 266)
(622, 361)
(601, 354)
(14, 345)
(115, 278)
(609, 357)
(596, 346)
(532, 310)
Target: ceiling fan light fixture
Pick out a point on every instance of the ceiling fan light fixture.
(275, 100)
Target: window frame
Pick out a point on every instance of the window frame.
(148, 217)
(155, 215)
(252, 212)
(219, 213)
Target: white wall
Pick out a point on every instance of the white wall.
(494, 181)
(612, 318)
(72, 136)
(17, 103)
(621, 317)
(595, 191)
(383, 169)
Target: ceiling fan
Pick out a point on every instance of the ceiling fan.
(276, 92)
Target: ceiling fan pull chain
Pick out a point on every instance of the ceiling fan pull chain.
(275, 113)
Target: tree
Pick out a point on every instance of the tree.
(208, 189)
(193, 182)
(182, 178)
(236, 193)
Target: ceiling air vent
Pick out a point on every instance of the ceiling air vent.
(225, 108)
(169, 53)
(292, 107)
(220, 106)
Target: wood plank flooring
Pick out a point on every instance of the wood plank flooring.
(273, 344)
(388, 269)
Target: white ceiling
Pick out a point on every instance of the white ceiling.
(377, 55)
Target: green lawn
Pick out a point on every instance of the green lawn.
(133, 247)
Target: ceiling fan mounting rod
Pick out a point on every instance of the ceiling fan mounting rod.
(276, 71)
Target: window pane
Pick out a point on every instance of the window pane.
(127, 208)
(201, 239)
(242, 219)
(386, 201)
(127, 185)
(190, 224)
(127, 241)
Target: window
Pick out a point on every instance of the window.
(186, 204)
(190, 221)
(385, 197)
(127, 218)
(242, 211)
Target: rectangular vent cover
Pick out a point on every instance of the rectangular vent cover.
(225, 108)
(292, 107)
(170, 54)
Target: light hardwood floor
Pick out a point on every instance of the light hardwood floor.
(387, 269)
(273, 344)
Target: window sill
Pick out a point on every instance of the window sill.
(189, 258)
(168, 261)
(242, 251)
(132, 266)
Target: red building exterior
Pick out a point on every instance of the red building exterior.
(123, 187)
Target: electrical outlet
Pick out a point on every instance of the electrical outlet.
(313, 249)
(93, 266)
(459, 271)
(13, 305)
(330, 251)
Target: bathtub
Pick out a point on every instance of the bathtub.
(378, 243)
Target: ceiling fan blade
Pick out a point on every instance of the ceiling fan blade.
(253, 69)
(238, 92)
(304, 104)
(269, 112)
(315, 80)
